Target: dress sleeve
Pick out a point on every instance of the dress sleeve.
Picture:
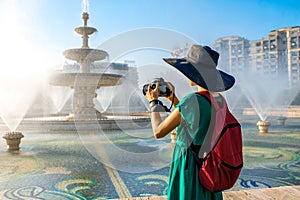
(190, 112)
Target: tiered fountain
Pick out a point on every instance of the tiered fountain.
(84, 82)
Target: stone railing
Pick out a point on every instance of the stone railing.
(292, 112)
(277, 193)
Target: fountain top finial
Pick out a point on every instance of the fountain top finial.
(85, 17)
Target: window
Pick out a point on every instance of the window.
(294, 59)
(265, 45)
(273, 67)
(258, 44)
(293, 32)
(293, 42)
(272, 45)
(272, 56)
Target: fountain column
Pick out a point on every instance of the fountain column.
(85, 66)
(85, 37)
(84, 106)
(85, 31)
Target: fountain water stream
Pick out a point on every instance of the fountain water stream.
(266, 94)
(59, 96)
(15, 102)
(85, 6)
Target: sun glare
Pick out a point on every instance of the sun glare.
(20, 55)
(23, 64)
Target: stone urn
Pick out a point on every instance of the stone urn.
(281, 120)
(13, 140)
(263, 126)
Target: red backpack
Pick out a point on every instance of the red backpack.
(220, 158)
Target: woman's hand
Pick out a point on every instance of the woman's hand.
(152, 94)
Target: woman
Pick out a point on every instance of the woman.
(191, 118)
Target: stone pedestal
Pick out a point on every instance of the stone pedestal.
(263, 126)
(13, 140)
(84, 107)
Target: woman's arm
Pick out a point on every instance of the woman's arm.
(162, 128)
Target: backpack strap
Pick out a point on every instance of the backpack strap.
(209, 138)
(212, 100)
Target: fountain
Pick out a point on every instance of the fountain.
(13, 140)
(281, 120)
(272, 96)
(85, 82)
(263, 126)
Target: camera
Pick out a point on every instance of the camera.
(164, 90)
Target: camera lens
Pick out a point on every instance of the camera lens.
(153, 86)
(145, 89)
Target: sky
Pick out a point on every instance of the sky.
(34, 33)
(44, 28)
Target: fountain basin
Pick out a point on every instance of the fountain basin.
(263, 126)
(85, 30)
(13, 140)
(85, 54)
(65, 123)
(96, 80)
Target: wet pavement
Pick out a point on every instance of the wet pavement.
(121, 164)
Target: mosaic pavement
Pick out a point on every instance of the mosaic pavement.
(62, 166)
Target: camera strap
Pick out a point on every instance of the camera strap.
(169, 109)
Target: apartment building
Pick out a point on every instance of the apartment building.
(277, 54)
(234, 53)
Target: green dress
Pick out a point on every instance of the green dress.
(183, 177)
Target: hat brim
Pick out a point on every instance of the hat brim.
(211, 79)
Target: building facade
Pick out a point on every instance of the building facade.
(279, 54)
(234, 53)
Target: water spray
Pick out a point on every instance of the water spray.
(85, 6)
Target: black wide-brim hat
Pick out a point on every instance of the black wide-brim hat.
(200, 67)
